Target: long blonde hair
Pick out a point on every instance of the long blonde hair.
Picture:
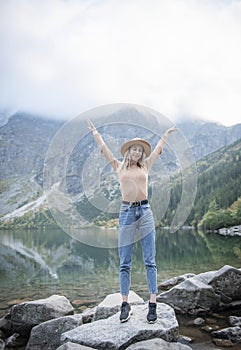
(126, 162)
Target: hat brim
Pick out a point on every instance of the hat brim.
(146, 146)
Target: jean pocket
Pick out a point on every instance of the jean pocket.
(146, 206)
(124, 208)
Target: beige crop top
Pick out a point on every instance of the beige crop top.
(134, 180)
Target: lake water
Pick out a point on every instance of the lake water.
(37, 264)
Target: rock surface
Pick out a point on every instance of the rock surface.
(111, 334)
(191, 296)
(154, 344)
(226, 282)
(46, 336)
(205, 292)
(26, 315)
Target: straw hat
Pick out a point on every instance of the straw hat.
(146, 145)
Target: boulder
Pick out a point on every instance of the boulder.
(111, 304)
(157, 343)
(204, 292)
(26, 315)
(46, 336)
(227, 282)
(232, 334)
(111, 334)
(191, 296)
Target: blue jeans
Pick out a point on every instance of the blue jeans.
(132, 219)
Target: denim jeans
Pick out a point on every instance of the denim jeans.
(132, 219)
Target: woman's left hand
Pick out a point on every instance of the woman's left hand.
(170, 130)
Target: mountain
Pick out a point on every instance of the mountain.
(207, 137)
(25, 139)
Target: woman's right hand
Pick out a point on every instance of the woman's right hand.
(91, 126)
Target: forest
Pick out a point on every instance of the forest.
(218, 199)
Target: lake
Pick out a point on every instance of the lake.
(37, 264)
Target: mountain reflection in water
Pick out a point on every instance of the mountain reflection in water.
(37, 264)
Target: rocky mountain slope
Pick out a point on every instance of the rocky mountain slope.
(25, 138)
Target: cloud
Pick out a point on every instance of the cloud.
(178, 56)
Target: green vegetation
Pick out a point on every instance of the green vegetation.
(216, 218)
(217, 202)
(31, 220)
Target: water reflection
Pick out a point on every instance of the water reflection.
(95, 236)
(39, 263)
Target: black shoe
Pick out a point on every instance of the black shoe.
(125, 311)
(152, 316)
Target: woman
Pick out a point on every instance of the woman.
(135, 212)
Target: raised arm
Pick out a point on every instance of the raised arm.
(104, 149)
(161, 143)
(159, 147)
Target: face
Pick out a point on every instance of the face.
(136, 152)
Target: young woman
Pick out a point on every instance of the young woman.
(135, 212)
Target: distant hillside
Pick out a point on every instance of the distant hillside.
(219, 181)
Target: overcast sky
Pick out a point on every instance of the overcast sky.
(179, 57)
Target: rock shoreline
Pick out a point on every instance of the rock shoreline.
(51, 324)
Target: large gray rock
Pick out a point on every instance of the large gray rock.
(191, 296)
(26, 315)
(111, 334)
(157, 343)
(205, 292)
(227, 282)
(111, 304)
(46, 336)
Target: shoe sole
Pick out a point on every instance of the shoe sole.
(126, 319)
(151, 322)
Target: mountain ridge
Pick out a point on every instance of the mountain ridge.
(25, 138)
